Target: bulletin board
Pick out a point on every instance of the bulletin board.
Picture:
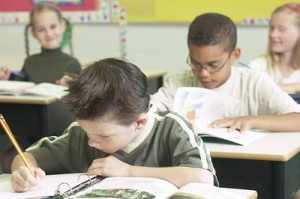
(250, 12)
(27, 5)
(78, 11)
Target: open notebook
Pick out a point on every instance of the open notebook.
(202, 106)
(115, 187)
(29, 88)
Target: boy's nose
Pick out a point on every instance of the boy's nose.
(201, 72)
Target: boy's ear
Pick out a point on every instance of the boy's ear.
(141, 121)
(235, 55)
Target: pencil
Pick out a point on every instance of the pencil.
(14, 141)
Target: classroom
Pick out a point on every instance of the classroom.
(153, 35)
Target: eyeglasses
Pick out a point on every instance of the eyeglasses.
(213, 68)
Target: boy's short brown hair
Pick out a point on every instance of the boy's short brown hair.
(112, 89)
(213, 29)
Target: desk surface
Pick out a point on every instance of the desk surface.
(154, 73)
(273, 146)
(27, 99)
(249, 194)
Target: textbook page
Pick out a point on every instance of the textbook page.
(194, 190)
(203, 106)
(114, 187)
(235, 136)
(129, 187)
(48, 89)
(29, 88)
(14, 87)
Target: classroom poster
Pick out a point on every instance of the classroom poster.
(27, 5)
(83, 11)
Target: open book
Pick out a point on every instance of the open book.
(203, 106)
(29, 88)
(120, 187)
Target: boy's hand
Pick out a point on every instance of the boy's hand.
(22, 179)
(63, 81)
(4, 73)
(241, 124)
(109, 166)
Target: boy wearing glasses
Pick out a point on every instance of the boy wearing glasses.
(212, 42)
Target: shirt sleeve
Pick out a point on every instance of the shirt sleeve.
(62, 154)
(189, 149)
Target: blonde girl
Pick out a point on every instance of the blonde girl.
(51, 65)
(282, 60)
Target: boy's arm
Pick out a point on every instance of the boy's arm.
(21, 178)
(278, 123)
(290, 88)
(177, 175)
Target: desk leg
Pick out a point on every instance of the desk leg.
(286, 177)
(271, 180)
(245, 174)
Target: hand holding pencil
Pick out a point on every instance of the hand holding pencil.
(20, 180)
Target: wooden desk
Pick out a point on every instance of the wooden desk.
(35, 116)
(155, 80)
(271, 165)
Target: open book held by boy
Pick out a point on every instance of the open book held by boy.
(212, 39)
(202, 107)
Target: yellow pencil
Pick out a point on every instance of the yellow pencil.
(14, 141)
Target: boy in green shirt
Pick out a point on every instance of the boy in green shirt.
(117, 133)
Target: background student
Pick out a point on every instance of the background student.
(50, 65)
(282, 61)
(212, 39)
(117, 134)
